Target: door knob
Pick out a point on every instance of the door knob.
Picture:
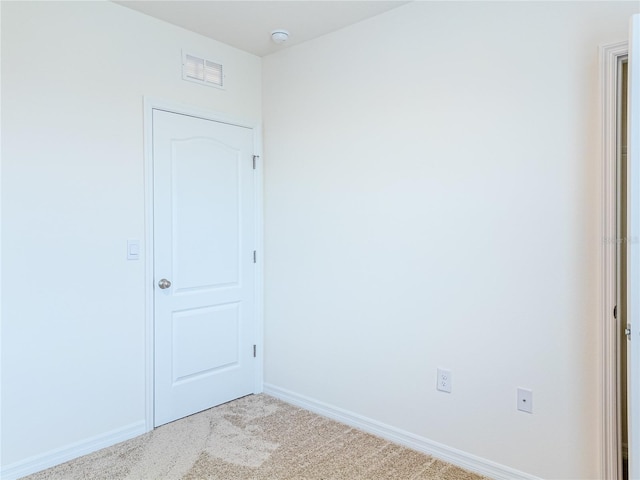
(164, 283)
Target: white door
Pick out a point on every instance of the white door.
(203, 242)
(633, 257)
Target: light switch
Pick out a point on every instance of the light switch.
(133, 249)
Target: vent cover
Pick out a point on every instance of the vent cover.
(203, 71)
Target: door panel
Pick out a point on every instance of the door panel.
(205, 249)
(205, 339)
(203, 245)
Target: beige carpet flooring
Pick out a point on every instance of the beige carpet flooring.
(256, 438)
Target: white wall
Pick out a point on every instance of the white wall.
(74, 76)
(432, 198)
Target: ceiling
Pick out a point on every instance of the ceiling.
(247, 25)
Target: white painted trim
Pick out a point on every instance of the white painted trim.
(1, 275)
(184, 109)
(150, 104)
(148, 263)
(633, 251)
(421, 444)
(259, 269)
(69, 452)
(610, 423)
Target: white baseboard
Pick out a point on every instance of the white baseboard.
(451, 455)
(60, 455)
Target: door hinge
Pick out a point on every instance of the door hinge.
(255, 159)
(255, 257)
(627, 331)
(254, 351)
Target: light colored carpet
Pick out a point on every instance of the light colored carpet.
(256, 438)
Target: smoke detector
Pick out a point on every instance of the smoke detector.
(279, 36)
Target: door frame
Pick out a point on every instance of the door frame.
(610, 57)
(150, 104)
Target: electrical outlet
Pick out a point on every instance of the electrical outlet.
(444, 380)
(525, 400)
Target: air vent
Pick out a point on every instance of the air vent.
(203, 71)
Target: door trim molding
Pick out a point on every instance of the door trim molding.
(150, 104)
(610, 55)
